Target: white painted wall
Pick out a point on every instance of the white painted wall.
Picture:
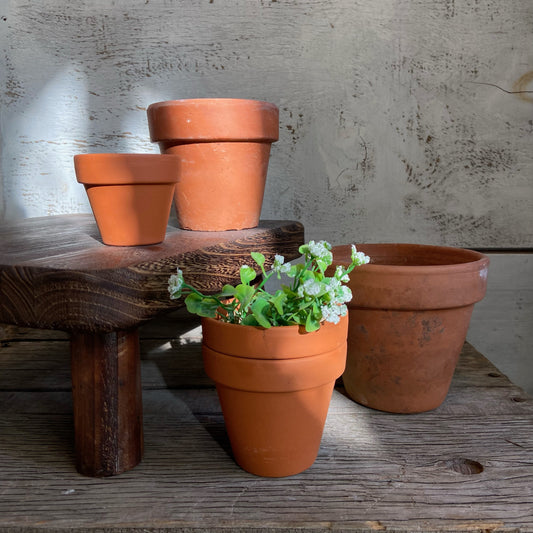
(401, 120)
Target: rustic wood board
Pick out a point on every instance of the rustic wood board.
(467, 466)
(402, 473)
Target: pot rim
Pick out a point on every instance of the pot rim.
(473, 260)
(213, 120)
(208, 101)
(274, 375)
(126, 168)
(272, 343)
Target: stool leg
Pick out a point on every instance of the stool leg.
(106, 391)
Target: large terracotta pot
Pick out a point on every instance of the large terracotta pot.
(223, 146)
(130, 195)
(274, 387)
(409, 316)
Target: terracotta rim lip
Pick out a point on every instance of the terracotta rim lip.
(475, 262)
(326, 330)
(177, 120)
(220, 367)
(209, 101)
(126, 169)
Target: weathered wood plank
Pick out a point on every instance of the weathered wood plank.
(467, 466)
(425, 472)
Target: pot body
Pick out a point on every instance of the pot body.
(409, 317)
(274, 387)
(223, 147)
(130, 195)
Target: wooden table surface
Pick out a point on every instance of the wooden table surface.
(467, 466)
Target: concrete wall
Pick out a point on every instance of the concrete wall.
(401, 120)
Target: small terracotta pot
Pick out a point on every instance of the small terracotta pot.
(409, 316)
(223, 146)
(130, 195)
(274, 387)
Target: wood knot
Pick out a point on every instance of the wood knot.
(466, 467)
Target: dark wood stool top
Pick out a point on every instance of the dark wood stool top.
(55, 272)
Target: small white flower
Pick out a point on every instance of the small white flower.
(329, 314)
(346, 294)
(340, 274)
(280, 266)
(278, 261)
(359, 258)
(320, 250)
(312, 287)
(333, 285)
(332, 313)
(285, 268)
(175, 284)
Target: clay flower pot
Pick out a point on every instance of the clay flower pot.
(130, 195)
(274, 387)
(223, 147)
(409, 316)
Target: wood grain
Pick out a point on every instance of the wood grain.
(107, 402)
(467, 466)
(55, 273)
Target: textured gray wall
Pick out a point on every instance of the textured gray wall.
(401, 120)
(390, 127)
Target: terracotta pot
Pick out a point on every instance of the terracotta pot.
(130, 195)
(274, 387)
(409, 316)
(223, 147)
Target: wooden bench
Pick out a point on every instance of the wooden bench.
(55, 273)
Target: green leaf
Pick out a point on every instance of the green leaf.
(311, 324)
(279, 300)
(259, 258)
(247, 274)
(249, 320)
(201, 306)
(322, 265)
(228, 291)
(303, 249)
(258, 308)
(244, 294)
(295, 270)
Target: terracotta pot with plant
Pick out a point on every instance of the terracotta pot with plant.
(275, 357)
(408, 322)
(223, 145)
(130, 195)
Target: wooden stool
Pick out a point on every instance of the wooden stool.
(55, 273)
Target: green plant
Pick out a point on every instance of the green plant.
(310, 299)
